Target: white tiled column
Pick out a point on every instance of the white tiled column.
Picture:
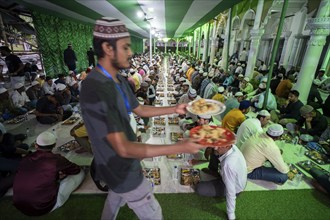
(320, 29)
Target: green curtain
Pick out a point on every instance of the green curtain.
(54, 34)
(136, 44)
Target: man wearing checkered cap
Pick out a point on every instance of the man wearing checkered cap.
(107, 103)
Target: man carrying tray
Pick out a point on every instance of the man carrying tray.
(107, 103)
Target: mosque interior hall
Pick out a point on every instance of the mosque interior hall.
(251, 80)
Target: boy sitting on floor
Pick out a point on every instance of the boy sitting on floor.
(44, 181)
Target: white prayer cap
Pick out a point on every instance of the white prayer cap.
(211, 74)
(132, 70)
(147, 79)
(182, 79)
(60, 87)
(262, 86)
(264, 80)
(238, 64)
(275, 130)
(18, 85)
(42, 74)
(192, 93)
(247, 79)
(3, 90)
(181, 70)
(241, 75)
(46, 138)
(221, 89)
(124, 74)
(186, 83)
(205, 74)
(280, 75)
(243, 65)
(70, 72)
(264, 113)
(238, 94)
(201, 71)
(140, 100)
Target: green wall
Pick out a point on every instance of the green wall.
(54, 34)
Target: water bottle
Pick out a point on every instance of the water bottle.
(54, 133)
(175, 173)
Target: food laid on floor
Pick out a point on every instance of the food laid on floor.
(190, 176)
(176, 136)
(173, 120)
(153, 174)
(293, 172)
(158, 131)
(307, 165)
(318, 157)
(159, 121)
(69, 146)
(16, 120)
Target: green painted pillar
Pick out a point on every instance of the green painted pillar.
(275, 48)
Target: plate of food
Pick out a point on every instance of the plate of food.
(206, 107)
(210, 135)
(293, 171)
(16, 120)
(69, 146)
(318, 157)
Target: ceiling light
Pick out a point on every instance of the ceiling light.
(153, 31)
(151, 9)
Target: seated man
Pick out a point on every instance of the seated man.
(232, 180)
(49, 86)
(63, 96)
(48, 110)
(315, 123)
(251, 127)
(12, 146)
(7, 108)
(236, 116)
(258, 100)
(44, 181)
(290, 112)
(261, 147)
(232, 103)
(191, 95)
(20, 99)
(79, 133)
(34, 92)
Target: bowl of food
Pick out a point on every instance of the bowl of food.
(206, 107)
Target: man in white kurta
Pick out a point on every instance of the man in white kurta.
(261, 147)
(251, 127)
(232, 181)
(20, 99)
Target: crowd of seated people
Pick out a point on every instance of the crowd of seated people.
(54, 100)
